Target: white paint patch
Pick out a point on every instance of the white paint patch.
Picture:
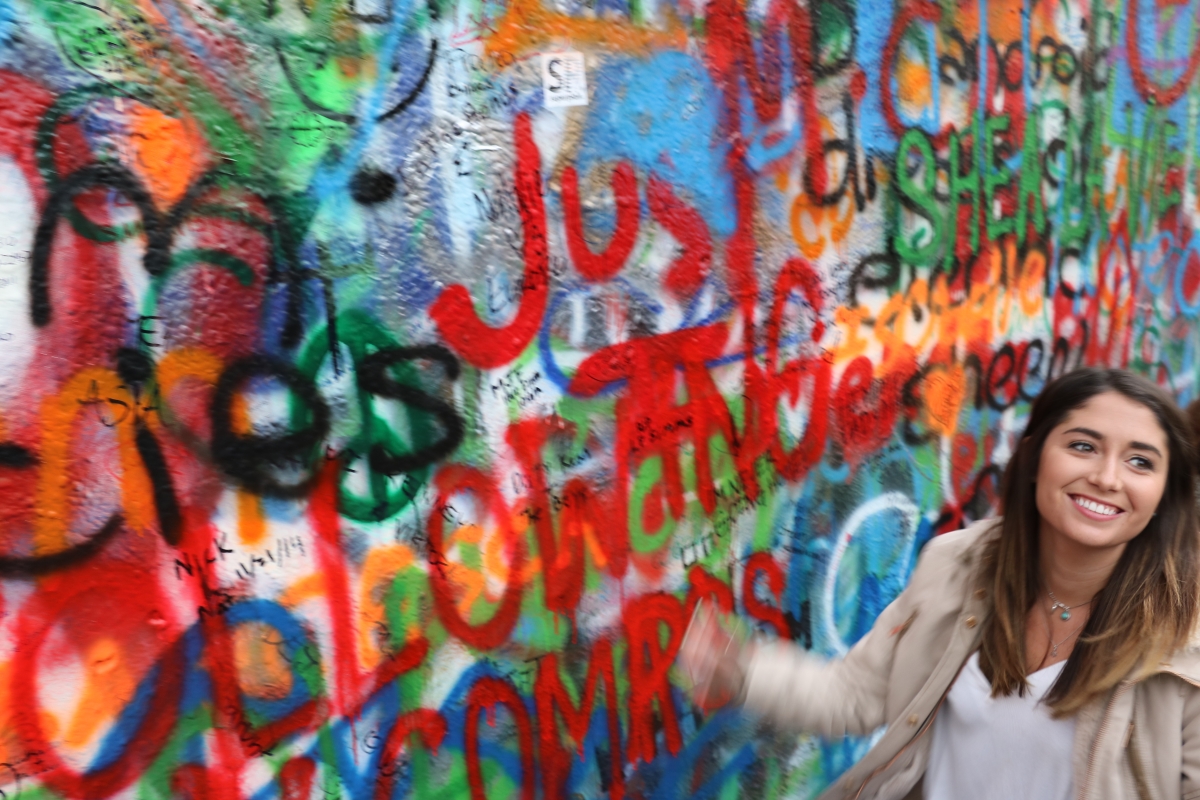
(447, 665)
(17, 223)
(564, 79)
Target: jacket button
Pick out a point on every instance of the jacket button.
(980, 594)
(914, 719)
(972, 622)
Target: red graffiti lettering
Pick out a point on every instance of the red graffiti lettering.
(649, 660)
(602, 266)
(493, 633)
(485, 695)
(689, 269)
(552, 696)
(764, 565)
(453, 312)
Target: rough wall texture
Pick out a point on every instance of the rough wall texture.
(372, 417)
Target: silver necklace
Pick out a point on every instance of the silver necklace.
(1066, 609)
(1054, 646)
(1050, 637)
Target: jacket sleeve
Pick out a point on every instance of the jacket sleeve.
(799, 691)
(1190, 768)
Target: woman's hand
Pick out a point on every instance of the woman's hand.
(714, 660)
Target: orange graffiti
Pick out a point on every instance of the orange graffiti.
(165, 152)
(108, 687)
(263, 670)
(103, 390)
(945, 388)
(527, 26)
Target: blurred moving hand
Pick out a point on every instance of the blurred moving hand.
(714, 659)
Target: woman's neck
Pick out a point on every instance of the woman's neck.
(1074, 572)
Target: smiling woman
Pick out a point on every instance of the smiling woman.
(1101, 547)
(1096, 469)
(1043, 655)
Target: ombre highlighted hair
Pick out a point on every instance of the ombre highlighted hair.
(1148, 608)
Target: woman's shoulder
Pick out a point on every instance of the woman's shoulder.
(949, 560)
(962, 545)
(1184, 663)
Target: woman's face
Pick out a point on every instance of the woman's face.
(1102, 472)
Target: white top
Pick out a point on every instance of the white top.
(1002, 748)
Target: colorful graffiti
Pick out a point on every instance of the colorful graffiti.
(372, 417)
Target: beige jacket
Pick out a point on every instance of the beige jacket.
(1141, 741)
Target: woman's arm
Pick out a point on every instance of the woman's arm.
(797, 690)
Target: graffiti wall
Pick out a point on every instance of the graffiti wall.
(382, 382)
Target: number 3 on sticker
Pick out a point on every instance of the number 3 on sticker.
(564, 79)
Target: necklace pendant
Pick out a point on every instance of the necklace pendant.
(1054, 651)
(1066, 615)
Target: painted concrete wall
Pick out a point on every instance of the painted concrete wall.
(376, 399)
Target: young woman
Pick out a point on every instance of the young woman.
(1041, 656)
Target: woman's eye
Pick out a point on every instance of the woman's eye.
(1141, 463)
(1083, 447)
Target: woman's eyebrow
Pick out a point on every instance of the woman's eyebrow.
(1087, 432)
(1134, 445)
(1143, 446)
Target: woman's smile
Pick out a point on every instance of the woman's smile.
(1094, 509)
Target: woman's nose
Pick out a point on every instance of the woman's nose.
(1107, 474)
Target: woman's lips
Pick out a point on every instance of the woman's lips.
(1094, 509)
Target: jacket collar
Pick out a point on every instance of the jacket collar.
(1184, 663)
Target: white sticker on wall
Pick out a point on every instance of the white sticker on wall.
(564, 79)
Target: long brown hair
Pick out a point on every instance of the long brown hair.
(1147, 609)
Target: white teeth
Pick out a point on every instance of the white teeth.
(1099, 508)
